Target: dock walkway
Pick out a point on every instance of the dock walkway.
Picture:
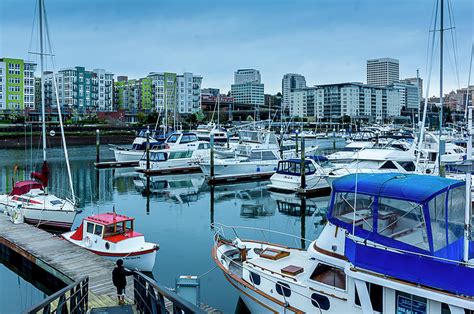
(64, 260)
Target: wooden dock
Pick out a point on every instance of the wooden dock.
(64, 260)
(115, 164)
(155, 172)
(218, 180)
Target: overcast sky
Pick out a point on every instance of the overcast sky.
(328, 41)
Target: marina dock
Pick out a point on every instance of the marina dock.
(70, 263)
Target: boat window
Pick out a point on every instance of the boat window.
(180, 155)
(137, 146)
(173, 138)
(90, 227)
(408, 165)
(320, 301)
(363, 205)
(376, 297)
(310, 169)
(409, 303)
(204, 146)
(267, 155)
(283, 289)
(157, 156)
(402, 221)
(98, 230)
(188, 138)
(56, 202)
(255, 155)
(329, 275)
(388, 165)
(254, 278)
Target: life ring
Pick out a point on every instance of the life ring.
(88, 241)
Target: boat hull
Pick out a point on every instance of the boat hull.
(122, 155)
(291, 183)
(143, 262)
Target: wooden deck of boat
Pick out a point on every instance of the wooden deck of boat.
(64, 260)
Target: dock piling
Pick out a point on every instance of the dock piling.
(303, 177)
(97, 146)
(147, 150)
(212, 157)
(296, 143)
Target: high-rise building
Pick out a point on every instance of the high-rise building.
(134, 95)
(418, 82)
(382, 72)
(247, 88)
(289, 83)
(409, 95)
(189, 93)
(17, 84)
(104, 83)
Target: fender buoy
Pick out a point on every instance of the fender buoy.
(88, 241)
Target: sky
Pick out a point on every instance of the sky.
(327, 41)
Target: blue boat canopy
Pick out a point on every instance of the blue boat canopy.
(410, 187)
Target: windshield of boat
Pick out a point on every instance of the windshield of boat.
(173, 138)
(262, 155)
(118, 228)
(188, 138)
(180, 154)
(294, 168)
(155, 156)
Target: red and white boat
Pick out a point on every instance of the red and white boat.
(113, 236)
(30, 202)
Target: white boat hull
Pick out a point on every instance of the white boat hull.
(143, 262)
(123, 155)
(293, 183)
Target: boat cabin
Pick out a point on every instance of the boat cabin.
(292, 167)
(110, 227)
(418, 218)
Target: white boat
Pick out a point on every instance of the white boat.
(30, 201)
(288, 174)
(388, 248)
(377, 160)
(134, 153)
(175, 158)
(347, 153)
(112, 236)
(259, 162)
(205, 131)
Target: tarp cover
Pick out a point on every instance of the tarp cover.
(410, 187)
(42, 176)
(23, 187)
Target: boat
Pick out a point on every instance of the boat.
(182, 156)
(393, 243)
(288, 175)
(260, 162)
(112, 236)
(205, 131)
(31, 201)
(133, 153)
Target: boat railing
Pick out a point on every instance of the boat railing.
(237, 266)
(226, 232)
(151, 297)
(66, 195)
(71, 299)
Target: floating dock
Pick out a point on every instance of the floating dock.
(115, 164)
(155, 172)
(217, 180)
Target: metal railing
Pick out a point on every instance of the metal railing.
(150, 297)
(71, 299)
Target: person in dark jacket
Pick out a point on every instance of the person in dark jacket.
(119, 278)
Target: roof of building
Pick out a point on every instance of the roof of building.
(410, 187)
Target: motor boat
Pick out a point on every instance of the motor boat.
(112, 236)
(389, 246)
(259, 162)
(288, 174)
(179, 157)
(133, 153)
(205, 131)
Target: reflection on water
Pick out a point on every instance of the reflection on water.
(177, 212)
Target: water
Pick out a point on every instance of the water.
(177, 214)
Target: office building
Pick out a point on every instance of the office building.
(17, 84)
(247, 88)
(418, 82)
(289, 83)
(382, 72)
(409, 95)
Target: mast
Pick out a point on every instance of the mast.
(467, 212)
(43, 114)
(441, 37)
(218, 110)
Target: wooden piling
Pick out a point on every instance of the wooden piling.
(97, 146)
(303, 174)
(212, 157)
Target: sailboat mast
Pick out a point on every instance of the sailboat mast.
(43, 114)
(441, 37)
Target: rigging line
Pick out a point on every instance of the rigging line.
(469, 82)
(32, 28)
(454, 40)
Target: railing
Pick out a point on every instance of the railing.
(150, 297)
(71, 299)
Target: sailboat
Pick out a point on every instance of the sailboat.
(30, 200)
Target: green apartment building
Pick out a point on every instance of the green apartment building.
(17, 84)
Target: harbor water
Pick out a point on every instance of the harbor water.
(178, 212)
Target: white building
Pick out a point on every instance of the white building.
(382, 72)
(247, 88)
(409, 95)
(247, 76)
(290, 82)
(418, 82)
(105, 92)
(189, 93)
(298, 103)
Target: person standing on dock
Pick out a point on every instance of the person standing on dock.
(119, 278)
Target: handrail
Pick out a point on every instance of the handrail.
(220, 227)
(150, 297)
(78, 299)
